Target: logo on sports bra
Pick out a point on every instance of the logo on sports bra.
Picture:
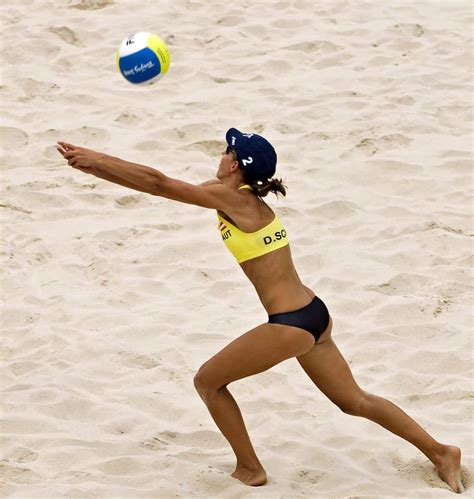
(225, 235)
(278, 237)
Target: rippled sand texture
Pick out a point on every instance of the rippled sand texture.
(112, 299)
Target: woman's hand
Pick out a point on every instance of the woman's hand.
(80, 158)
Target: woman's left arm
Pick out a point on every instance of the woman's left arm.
(146, 179)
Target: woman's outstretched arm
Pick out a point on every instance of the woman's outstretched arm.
(146, 179)
(131, 175)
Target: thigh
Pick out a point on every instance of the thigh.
(329, 371)
(254, 352)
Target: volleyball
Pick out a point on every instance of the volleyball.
(143, 58)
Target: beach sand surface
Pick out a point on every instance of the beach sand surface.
(112, 299)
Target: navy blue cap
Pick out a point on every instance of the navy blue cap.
(255, 154)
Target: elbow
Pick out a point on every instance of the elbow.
(159, 184)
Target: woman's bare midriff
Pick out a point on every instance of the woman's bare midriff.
(276, 281)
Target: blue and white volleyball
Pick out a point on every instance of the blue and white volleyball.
(143, 58)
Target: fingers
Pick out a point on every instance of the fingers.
(67, 146)
(74, 155)
(69, 155)
(65, 149)
(72, 160)
(78, 163)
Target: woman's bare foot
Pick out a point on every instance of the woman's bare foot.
(448, 465)
(250, 476)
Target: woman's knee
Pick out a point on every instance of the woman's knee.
(357, 405)
(200, 381)
(205, 382)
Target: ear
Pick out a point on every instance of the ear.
(234, 166)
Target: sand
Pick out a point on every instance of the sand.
(112, 299)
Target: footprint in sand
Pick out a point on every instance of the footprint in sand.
(126, 118)
(410, 29)
(13, 138)
(315, 47)
(404, 100)
(255, 30)
(117, 427)
(87, 135)
(23, 455)
(311, 476)
(335, 210)
(19, 369)
(147, 145)
(393, 141)
(35, 89)
(210, 147)
(402, 285)
(335, 60)
(66, 35)
(230, 21)
(91, 4)
(121, 466)
(132, 201)
(371, 146)
(204, 438)
(138, 361)
(457, 118)
(15, 474)
(154, 443)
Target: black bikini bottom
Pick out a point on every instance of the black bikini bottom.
(313, 318)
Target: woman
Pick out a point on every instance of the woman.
(299, 323)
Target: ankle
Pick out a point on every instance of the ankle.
(249, 465)
(438, 454)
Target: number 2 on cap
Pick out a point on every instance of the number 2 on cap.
(247, 161)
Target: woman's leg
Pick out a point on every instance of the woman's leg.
(252, 353)
(329, 371)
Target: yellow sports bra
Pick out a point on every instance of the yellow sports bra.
(247, 245)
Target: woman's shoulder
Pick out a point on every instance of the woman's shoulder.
(214, 181)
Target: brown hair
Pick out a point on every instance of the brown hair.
(262, 187)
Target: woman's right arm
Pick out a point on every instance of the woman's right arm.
(124, 183)
(215, 195)
(138, 184)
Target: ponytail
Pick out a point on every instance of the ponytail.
(262, 187)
